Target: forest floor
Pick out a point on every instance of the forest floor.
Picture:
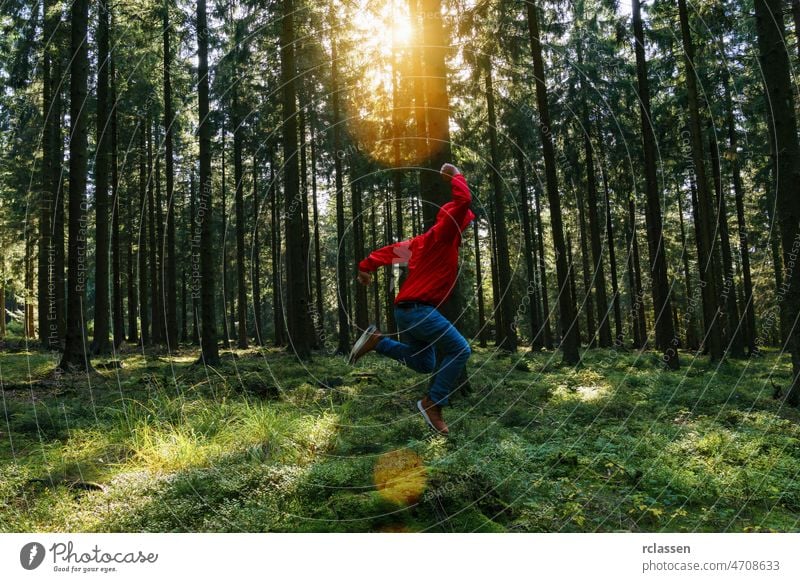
(264, 443)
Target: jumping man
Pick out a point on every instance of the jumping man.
(432, 259)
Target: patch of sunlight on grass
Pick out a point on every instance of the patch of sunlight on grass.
(589, 393)
(171, 449)
(316, 434)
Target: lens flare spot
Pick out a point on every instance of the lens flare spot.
(400, 476)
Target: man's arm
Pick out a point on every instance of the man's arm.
(389, 255)
(457, 211)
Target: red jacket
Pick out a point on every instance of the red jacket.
(432, 256)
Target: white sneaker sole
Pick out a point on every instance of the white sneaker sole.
(425, 416)
(351, 359)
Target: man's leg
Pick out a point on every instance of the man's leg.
(453, 351)
(417, 355)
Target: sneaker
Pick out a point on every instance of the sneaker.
(432, 413)
(365, 344)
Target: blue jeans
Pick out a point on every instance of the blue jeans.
(428, 330)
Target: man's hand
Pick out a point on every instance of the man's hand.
(448, 171)
(364, 278)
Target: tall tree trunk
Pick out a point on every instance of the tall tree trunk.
(530, 254)
(666, 339)
(796, 19)
(362, 313)
(734, 333)
(567, 314)
(744, 246)
(434, 191)
(637, 293)
(169, 291)
(195, 258)
(306, 226)
(691, 327)
(397, 192)
(279, 338)
(160, 251)
(59, 257)
(342, 272)
(598, 273)
(573, 288)
(591, 328)
(238, 170)
(479, 283)
(152, 184)
(320, 315)
(256, 259)
(74, 356)
(496, 311)
(210, 349)
(132, 287)
(707, 257)
(376, 296)
(508, 338)
(543, 290)
(296, 286)
(226, 322)
(142, 252)
(46, 282)
(612, 260)
(774, 59)
(100, 343)
(389, 274)
(118, 321)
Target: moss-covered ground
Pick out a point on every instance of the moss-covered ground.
(265, 443)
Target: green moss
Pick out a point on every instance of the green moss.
(264, 443)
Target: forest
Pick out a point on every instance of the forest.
(186, 191)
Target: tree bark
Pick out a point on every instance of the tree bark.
(774, 59)
(588, 300)
(169, 291)
(118, 321)
(733, 333)
(142, 250)
(744, 246)
(362, 313)
(542, 288)
(195, 258)
(707, 258)
(100, 343)
(691, 327)
(210, 349)
(612, 260)
(507, 340)
(567, 319)
(256, 259)
(479, 283)
(238, 171)
(46, 282)
(296, 286)
(74, 357)
(320, 315)
(530, 254)
(666, 339)
(278, 321)
(342, 272)
(637, 293)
